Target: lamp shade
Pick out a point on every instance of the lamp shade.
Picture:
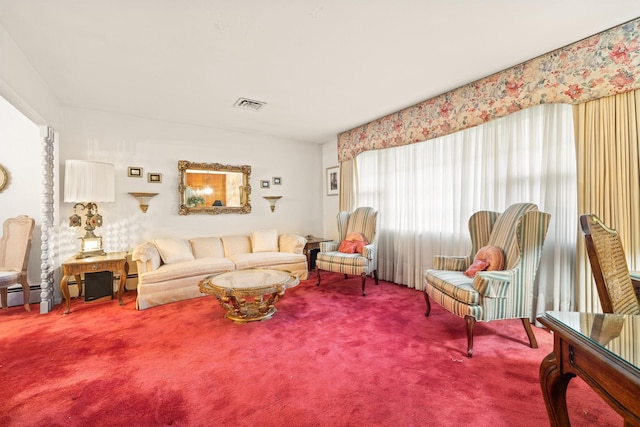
(89, 181)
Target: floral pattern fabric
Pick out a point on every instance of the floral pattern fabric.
(602, 65)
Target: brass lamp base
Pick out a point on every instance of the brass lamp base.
(90, 254)
(90, 247)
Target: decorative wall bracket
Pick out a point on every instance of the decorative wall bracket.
(143, 199)
(272, 201)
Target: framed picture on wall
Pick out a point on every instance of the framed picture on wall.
(333, 181)
(154, 177)
(135, 172)
(264, 183)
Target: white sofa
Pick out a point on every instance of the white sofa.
(170, 270)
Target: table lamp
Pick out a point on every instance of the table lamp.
(85, 184)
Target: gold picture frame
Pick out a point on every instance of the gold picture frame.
(154, 177)
(134, 172)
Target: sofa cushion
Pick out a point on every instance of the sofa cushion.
(186, 269)
(236, 245)
(174, 250)
(265, 259)
(291, 243)
(264, 241)
(207, 247)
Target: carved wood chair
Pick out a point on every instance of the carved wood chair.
(15, 245)
(363, 221)
(519, 232)
(609, 267)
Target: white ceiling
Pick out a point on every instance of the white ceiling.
(322, 66)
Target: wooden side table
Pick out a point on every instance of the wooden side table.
(313, 244)
(601, 349)
(115, 262)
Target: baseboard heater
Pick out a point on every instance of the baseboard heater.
(98, 285)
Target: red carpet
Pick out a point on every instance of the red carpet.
(329, 357)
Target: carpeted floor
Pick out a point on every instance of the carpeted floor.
(329, 357)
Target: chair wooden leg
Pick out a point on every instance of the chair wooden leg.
(533, 343)
(26, 293)
(471, 322)
(364, 279)
(346, 276)
(426, 299)
(3, 297)
(318, 275)
(375, 276)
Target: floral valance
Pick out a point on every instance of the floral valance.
(602, 65)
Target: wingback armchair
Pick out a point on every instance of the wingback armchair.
(364, 222)
(507, 293)
(15, 245)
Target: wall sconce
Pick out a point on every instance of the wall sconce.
(143, 199)
(272, 201)
(85, 183)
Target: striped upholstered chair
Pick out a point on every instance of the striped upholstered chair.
(609, 267)
(492, 295)
(15, 246)
(363, 221)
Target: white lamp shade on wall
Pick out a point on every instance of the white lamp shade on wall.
(89, 181)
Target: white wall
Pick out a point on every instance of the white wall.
(157, 146)
(20, 155)
(23, 87)
(330, 204)
(20, 144)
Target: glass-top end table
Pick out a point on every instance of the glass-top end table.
(603, 350)
(249, 295)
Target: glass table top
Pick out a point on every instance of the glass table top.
(617, 333)
(254, 278)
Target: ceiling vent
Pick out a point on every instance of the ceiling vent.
(249, 104)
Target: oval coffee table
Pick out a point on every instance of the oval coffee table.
(251, 294)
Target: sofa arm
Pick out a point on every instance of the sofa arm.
(291, 243)
(329, 246)
(147, 257)
(451, 263)
(493, 284)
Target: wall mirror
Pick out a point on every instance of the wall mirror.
(213, 188)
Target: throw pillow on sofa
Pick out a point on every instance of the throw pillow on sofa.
(174, 250)
(207, 247)
(264, 241)
(291, 243)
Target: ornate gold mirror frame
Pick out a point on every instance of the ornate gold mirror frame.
(213, 188)
(3, 178)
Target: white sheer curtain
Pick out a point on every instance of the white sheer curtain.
(426, 192)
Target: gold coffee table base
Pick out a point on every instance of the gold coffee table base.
(249, 295)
